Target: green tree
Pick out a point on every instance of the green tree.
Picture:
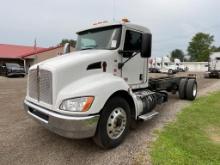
(215, 49)
(64, 41)
(200, 47)
(177, 53)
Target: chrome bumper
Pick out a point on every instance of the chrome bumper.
(66, 126)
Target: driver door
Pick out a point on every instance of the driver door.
(133, 70)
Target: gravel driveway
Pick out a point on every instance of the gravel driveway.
(22, 141)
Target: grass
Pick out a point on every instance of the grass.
(194, 138)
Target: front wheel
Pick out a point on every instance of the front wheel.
(218, 75)
(113, 124)
(170, 71)
(6, 74)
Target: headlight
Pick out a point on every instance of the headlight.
(81, 104)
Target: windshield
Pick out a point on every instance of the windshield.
(12, 65)
(102, 38)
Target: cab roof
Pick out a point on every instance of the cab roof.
(126, 24)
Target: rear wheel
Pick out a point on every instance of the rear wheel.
(113, 124)
(191, 89)
(182, 88)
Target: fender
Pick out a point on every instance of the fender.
(101, 86)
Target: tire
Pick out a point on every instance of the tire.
(6, 74)
(218, 76)
(206, 75)
(182, 88)
(170, 71)
(191, 89)
(115, 112)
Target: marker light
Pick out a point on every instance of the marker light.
(102, 22)
(125, 20)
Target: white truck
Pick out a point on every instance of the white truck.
(213, 66)
(155, 65)
(103, 87)
(168, 67)
(180, 66)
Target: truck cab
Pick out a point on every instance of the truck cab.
(101, 88)
(213, 66)
(180, 66)
(168, 66)
(155, 65)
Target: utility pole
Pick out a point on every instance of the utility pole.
(35, 50)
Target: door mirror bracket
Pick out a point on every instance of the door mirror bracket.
(121, 64)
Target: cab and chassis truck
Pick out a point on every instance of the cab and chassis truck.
(213, 66)
(103, 88)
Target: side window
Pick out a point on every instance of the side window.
(132, 41)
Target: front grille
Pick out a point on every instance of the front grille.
(45, 86)
(40, 85)
(33, 84)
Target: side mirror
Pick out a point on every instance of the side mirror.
(146, 45)
(66, 48)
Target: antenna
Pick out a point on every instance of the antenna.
(114, 10)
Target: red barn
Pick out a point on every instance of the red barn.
(27, 55)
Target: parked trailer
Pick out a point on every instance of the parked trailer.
(101, 88)
(213, 66)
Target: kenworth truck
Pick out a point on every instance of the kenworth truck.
(213, 66)
(103, 88)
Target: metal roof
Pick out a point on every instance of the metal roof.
(20, 51)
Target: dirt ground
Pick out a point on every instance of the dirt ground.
(23, 141)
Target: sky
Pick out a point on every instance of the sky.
(172, 22)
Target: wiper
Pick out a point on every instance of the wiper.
(87, 48)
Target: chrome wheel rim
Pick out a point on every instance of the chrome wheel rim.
(116, 123)
(194, 90)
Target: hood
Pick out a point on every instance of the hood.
(73, 66)
(73, 58)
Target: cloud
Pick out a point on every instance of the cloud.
(172, 22)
